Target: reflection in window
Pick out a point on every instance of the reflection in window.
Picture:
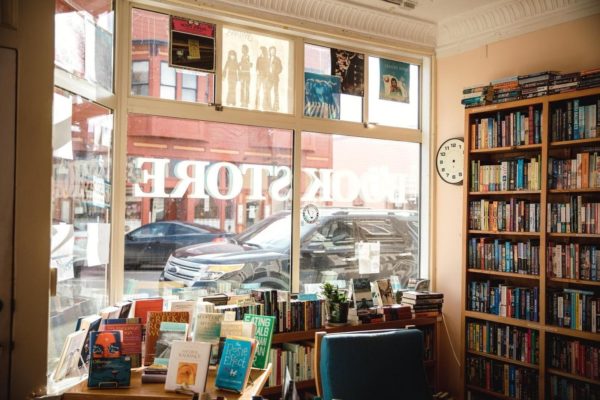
(189, 86)
(168, 81)
(139, 77)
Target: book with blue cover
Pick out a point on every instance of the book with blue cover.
(108, 367)
(235, 364)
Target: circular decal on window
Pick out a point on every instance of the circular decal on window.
(310, 213)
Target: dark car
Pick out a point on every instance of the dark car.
(261, 254)
(152, 244)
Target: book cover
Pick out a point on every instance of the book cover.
(90, 324)
(264, 335)
(108, 367)
(143, 306)
(386, 295)
(184, 305)
(208, 329)
(188, 366)
(363, 298)
(155, 318)
(169, 333)
(234, 367)
(69, 357)
(124, 308)
(132, 337)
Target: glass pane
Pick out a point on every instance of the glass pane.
(366, 223)
(139, 72)
(393, 93)
(167, 75)
(188, 94)
(81, 191)
(257, 71)
(84, 40)
(225, 191)
(334, 83)
(140, 90)
(150, 42)
(167, 92)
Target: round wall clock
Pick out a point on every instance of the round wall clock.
(450, 161)
(310, 213)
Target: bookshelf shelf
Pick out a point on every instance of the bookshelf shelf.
(572, 333)
(575, 143)
(572, 376)
(523, 323)
(573, 235)
(503, 233)
(525, 147)
(507, 193)
(300, 385)
(488, 392)
(575, 281)
(504, 274)
(503, 359)
(567, 191)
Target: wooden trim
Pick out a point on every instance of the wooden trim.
(572, 376)
(525, 147)
(503, 233)
(503, 359)
(316, 362)
(504, 274)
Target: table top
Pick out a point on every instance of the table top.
(156, 391)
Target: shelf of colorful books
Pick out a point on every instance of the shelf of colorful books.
(573, 235)
(287, 337)
(572, 333)
(506, 193)
(572, 376)
(503, 359)
(488, 392)
(503, 274)
(300, 385)
(575, 142)
(503, 320)
(505, 233)
(508, 149)
(575, 281)
(580, 190)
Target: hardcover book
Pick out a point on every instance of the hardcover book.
(91, 323)
(234, 367)
(155, 318)
(264, 334)
(132, 337)
(363, 298)
(108, 367)
(208, 330)
(188, 366)
(185, 305)
(169, 332)
(143, 306)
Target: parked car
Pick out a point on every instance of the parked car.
(261, 254)
(152, 244)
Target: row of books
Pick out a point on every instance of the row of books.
(517, 174)
(573, 120)
(508, 380)
(566, 389)
(589, 78)
(507, 129)
(581, 172)
(575, 309)
(536, 84)
(503, 341)
(574, 356)
(296, 357)
(508, 216)
(573, 261)
(477, 95)
(503, 300)
(574, 216)
(423, 303)
(504, 255)
(506, 89)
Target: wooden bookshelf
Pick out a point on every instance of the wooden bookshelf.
(563, 149)
(503, 359)
(572, 376)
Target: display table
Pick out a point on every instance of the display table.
(156, 391)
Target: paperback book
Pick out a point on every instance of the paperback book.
(108, 367)
(235, 364)
(188, 366)
(264, 334)
(169, 333)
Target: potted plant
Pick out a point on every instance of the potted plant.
(337, 304)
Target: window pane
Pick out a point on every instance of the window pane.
(139, 72)
(167, 92)
(140, 90)
(389, 84)
(84, 40)
(167, 75)
(81, 191)
(150, 41)
(188, 94)
(230, 185)
(333, 83)
(366, 191)
(257, 71)
(189, 81)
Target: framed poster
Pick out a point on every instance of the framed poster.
(322, 95)
(192, 45)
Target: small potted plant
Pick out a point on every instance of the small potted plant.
(337, 304)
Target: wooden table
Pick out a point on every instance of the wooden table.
(156, 391)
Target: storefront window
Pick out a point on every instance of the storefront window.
(140, 77)
(257, 71)
(208, 205)
(360, 215)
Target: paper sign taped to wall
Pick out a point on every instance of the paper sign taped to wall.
(98, 243)
(368, 256)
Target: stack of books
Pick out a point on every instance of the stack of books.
(154, 374)
(506, 89)
(423, 304)
(396, 312)
(562, 83)
(589, 79)
(536, 84)
(478, 95)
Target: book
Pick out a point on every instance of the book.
(237, 328)
(132, 337)
(235, 363)
(143, 306)
(185, 305)
(363, 298)
(110, 312)
(124, 308)
(386, 295)
(411, 294)
(208, 329)
(70, 355)
(169, 332)
(264, 334)
(155, 318)
(90, 324)
(108, 367)
(188, 366)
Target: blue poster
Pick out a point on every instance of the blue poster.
(322, 95)
(394, 80)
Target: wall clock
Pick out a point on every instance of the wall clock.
(450, 161)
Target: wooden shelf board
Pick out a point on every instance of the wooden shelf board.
(505, 274)
(572, 95)
(581, 190)
(572, 376)
(488, 392)
(575, 281)
(503, 359)
(525, 147)
(572, 333)
(504, 233)
(574, 235)
(504, 320)
(307, 384)
(310, 335)
(506, 193)
(578, 142)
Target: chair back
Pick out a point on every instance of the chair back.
(385, 364)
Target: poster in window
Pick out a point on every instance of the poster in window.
(192, 45)
(350, 67)
(394, 78)
(322, 95)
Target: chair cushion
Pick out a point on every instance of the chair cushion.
(374, 365)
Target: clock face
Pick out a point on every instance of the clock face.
(310, 213)
(450, 161)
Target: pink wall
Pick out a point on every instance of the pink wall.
(566, 47)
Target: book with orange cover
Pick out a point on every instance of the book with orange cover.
(153, 329)
(143, 306)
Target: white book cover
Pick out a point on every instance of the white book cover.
(208, 327)
(188, 366)
(185, 305)
(238, 328)
(69, 357)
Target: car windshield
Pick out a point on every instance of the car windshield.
(270, 233)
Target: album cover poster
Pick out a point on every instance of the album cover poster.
(394, 78)
(350, 67)
(322, 95)
(192, 45)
